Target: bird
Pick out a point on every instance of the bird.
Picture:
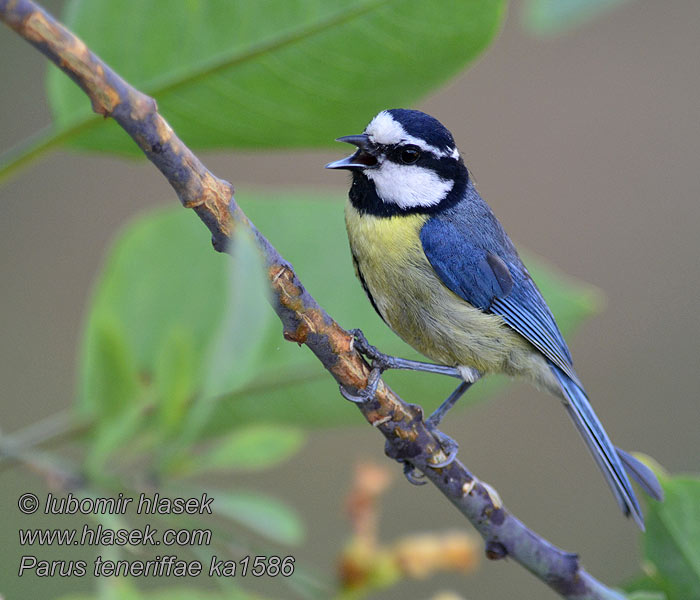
(441, 272)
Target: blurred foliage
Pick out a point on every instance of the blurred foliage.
(646, 595)
(368, 564)
(264, 515)
(166, 336)
(552, 17)
(672, 543)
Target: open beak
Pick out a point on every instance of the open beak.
(362, 159)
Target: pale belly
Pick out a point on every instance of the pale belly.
(420, 309)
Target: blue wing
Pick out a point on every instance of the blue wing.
(495, 282)
(474, 258)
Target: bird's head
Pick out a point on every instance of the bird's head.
(408, 158)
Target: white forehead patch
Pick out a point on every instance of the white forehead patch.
(408, 186)
(385, 130)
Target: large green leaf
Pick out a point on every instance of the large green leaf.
(672, 542)
(163, 275)
(161, 280)
(277, 73)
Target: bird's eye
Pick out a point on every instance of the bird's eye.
(409, 155)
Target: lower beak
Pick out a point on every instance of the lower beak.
(362, 159)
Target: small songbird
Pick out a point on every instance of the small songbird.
(441, 271)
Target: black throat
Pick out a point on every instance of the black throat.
(364, 197)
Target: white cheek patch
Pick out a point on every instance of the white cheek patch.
(408, 186)
(386, 131)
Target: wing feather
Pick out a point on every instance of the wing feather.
(495, 284)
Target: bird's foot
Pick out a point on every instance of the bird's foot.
(448, 446)
(385, 361)
(368, 393)
(379, 359)
(413, 475)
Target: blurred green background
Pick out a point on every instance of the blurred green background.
(586, 147)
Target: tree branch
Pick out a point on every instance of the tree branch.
(304, 321)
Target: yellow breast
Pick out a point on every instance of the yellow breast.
(384, 244)
(415, 303)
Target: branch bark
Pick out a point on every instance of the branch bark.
(303, 320)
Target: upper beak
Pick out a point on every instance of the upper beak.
(362, 159)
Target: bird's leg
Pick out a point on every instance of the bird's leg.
(434, 420)
(381, 362)
(449, 446)
(384, 361)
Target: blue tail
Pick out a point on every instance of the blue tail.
(602, 449)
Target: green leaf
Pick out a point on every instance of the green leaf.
(161, 280)
(672, 541)
(112, 435)
(173, 379)
(549, 17)
(252, 448)
(111, 382)
(279, 73)
(234, 352)
(263, 515)
(233, 356)
(645, 585)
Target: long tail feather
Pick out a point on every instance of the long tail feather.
(602, 449)
(642, 474)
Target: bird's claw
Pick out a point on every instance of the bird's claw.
(355, 398)
(368, 393)
(409, 472)
(380, 363)
(448, 446)
(379, 359)
(362, 345)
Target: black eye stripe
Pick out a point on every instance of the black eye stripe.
(445, 166)
(393, 152)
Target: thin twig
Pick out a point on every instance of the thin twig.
(304, 321)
